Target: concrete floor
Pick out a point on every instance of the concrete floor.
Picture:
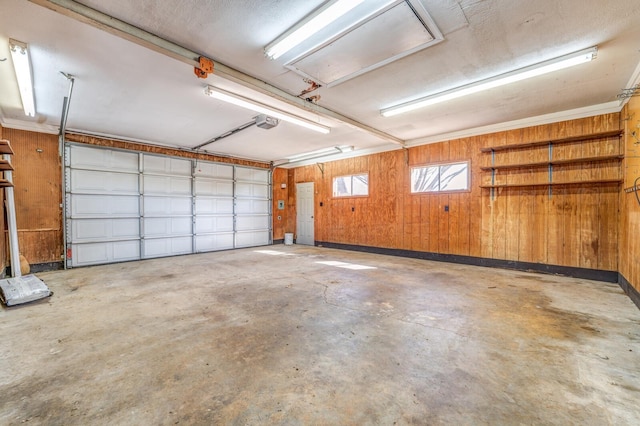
(244, 337)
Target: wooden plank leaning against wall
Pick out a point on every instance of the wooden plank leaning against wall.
(576, 226)
(4, 257)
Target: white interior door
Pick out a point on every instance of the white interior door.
(304, 214)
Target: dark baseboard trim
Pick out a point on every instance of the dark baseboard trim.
(590, 274)
(278, 242)
(40, 267)
(51, 266)
(626, 286)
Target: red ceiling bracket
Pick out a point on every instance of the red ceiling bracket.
(205, 67)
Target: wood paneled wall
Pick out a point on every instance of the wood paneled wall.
(37, 188)
(280, 225)
(629, 206)
(576, 226)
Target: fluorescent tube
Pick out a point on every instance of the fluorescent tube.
(320, 153)
(497, 81)
(22, 67)
(243, 102)
(309, 26)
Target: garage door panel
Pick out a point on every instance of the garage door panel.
(105, 252)
(166, 185)
(250, 239)
(162, 247)
(244, 206)
(244, 223)
(86, 230)
(81, 157)
(166, 206)
(252, 190)
(212, 170)
(86, 205)
(166, 226)
(211, 224)
(252, 175)
(214, 205)
(166, 166)
(211, 242)
(214, 187)
(100, 182)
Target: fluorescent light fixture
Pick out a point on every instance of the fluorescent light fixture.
(22, 67)
(497, 81)
(243, 102)
(320, 153)
(309, 26)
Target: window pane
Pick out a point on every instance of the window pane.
(454, 177)
(424, 179)
(360, 185)
(345, 186)
(342, 186)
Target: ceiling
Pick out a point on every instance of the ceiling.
(124, 90)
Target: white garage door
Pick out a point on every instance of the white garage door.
(166, 206)
(253, 207)
(126, 206)
(102, 206)
(214, 212)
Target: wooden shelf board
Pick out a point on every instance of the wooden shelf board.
(5, 149)
(5, 165)
(587, 159)
(514, 166)
(5, 183)
(593, 136)
(522, 185)
(554, 162)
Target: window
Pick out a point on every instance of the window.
(440, 177)
(353, 185)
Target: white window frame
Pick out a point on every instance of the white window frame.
(439, 167)
(350, 194)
